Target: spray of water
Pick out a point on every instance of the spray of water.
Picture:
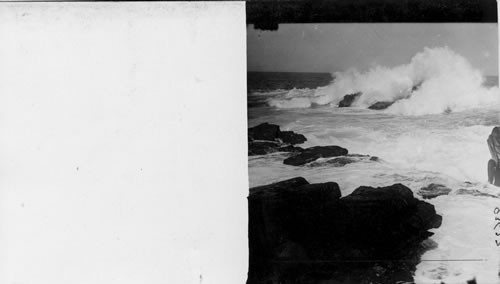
(436, 80)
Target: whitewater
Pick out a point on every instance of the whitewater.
(435, 131)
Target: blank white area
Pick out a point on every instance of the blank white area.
(123, 143)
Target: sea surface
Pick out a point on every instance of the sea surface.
(438, 135)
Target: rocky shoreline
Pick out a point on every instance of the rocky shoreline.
(308, 233)
(268, 138)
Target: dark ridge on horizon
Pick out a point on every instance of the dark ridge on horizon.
(286, 72)
(267, 14)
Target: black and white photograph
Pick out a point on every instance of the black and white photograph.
(258, 142)
(373, 152)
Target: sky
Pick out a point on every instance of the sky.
(336, 47)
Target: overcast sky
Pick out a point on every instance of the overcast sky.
(336, 47)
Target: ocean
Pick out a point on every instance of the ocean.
(434, 134)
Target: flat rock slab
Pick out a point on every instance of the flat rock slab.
(433, 190)
(311, 154)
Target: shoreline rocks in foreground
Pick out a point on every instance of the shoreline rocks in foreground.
(308, 233)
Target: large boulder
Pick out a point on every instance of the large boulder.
(313, 153)
(306, 233)
(264, 131)
(348, 100)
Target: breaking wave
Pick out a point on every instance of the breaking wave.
(436, 80)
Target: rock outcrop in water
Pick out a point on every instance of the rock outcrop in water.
(311, 154)
(348, 100)
(268, 138)
(380, 105)
(343, 161)
(307, 233)
(433, 190)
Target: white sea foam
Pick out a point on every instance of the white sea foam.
(446, 83)
(415, 151)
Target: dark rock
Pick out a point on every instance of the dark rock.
(264, 131)
(314, 153)
(278, 186)
(349, 99)
(291, 137)
(374, 158)
(380, 105)
(357, 155)
(290, 148)
(341, 161)
(267, 138)
(272, 132)
(417, 86)
(262, 148)
(472, 281)
(474, 192)
(433, 190)
(306, 233)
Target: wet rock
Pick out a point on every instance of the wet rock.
(291, 137)
(264, 131)
(342, 161)
(474, 192)
(433, 190)
(271, 132)
(336, 162)
(306, 233)
(290, 148)
(380, 105)
(262, 148)
(348, 100)
(311, 154)
(357, 155)
(267, 138)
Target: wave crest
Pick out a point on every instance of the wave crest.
(436, 80)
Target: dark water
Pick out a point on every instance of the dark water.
(272, 81)
(268, 81)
